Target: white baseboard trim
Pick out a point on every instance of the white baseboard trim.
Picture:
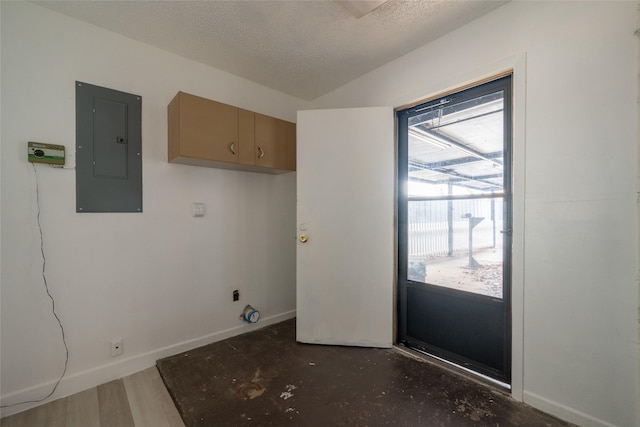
(89, 378)
(563, 412)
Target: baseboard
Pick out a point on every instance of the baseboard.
(81, 381)
(563, 412)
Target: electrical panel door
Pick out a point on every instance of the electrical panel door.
(108, 150)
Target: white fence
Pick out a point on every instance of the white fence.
(432, 232)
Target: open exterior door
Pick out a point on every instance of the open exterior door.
(346, 246)
(454, 228)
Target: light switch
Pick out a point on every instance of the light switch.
(197, 209)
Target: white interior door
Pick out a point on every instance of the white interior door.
(346, 199)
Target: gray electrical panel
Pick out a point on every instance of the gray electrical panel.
(108, 150)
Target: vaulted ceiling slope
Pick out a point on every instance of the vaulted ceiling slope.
(303, 48)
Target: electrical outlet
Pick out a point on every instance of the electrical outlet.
(197, 209)
(116, 347)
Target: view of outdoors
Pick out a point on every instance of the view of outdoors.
(456, 195)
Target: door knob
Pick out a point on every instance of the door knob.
(303, 238)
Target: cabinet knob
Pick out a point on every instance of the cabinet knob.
(303, 238)
(261, 152)
(232, 148)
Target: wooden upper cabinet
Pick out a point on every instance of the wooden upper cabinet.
(275, 143)
(202, 129)
(203, 132)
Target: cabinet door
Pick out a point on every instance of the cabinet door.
(206, 129)
(246, 137)
(289, 157)
(274, 143)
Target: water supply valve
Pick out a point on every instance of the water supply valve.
(250, 314)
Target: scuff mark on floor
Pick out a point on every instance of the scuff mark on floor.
(473, 410)
(251, 389)
(286, 394)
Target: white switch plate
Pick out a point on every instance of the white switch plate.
(197, 209)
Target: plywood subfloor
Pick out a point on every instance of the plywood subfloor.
(266, 378)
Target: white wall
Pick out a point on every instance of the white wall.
(161, 280)
(576, 233)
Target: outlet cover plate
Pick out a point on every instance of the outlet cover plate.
(197, 209)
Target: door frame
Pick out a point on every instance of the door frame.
(516, 65)
(481, 322)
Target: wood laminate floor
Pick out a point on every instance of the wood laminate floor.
(139, 400)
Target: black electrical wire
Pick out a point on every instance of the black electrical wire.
(53, 302)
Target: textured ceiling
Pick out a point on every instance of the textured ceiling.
(302, 48)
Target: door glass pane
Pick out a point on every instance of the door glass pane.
(440, 235)
(456, 149)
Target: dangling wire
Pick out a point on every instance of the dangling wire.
(53, 302)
